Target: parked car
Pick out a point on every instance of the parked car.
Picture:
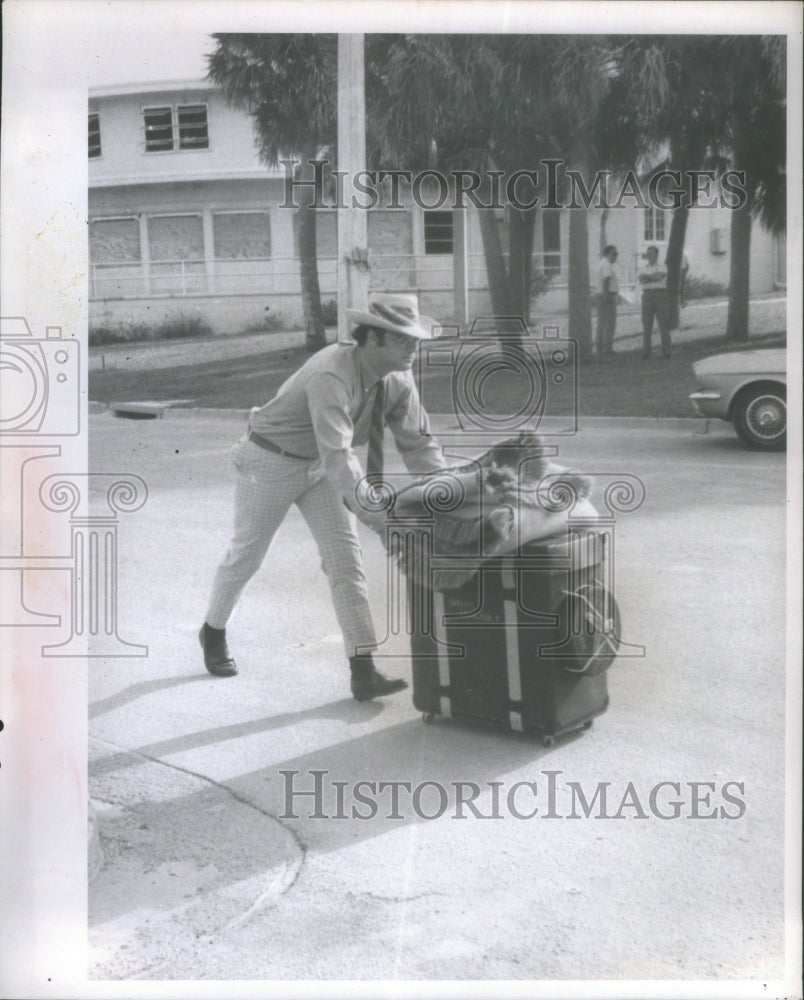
(748, 388)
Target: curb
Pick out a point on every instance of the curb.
(444, 421)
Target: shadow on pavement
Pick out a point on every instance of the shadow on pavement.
(138, 690)
(444, 754)
(344, 710)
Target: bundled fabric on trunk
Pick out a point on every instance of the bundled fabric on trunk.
(493, 505)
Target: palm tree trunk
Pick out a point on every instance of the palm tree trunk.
(675, 250)
(603, 242)
(315, 337)
(580, 304)
(495, 263)
(739, 273)
(520, 260)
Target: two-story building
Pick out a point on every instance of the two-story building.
(185, 219)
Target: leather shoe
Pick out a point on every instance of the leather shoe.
(374, 684)
(217, 658)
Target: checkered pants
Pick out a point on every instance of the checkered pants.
(267, 486)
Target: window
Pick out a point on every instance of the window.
(189, 123)
(114, 241)
(193, 126)
(158, 129)
(176, 238)
(242, 235)
(654, 225)
(176, 245)
(94, 136)
(551, 243)
(437, 232)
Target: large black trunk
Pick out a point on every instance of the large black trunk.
(525, 644)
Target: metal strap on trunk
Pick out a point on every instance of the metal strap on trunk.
(511, 634)
(443, 655)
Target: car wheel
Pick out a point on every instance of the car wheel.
(760, 417)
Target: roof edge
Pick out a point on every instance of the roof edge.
(150, 87)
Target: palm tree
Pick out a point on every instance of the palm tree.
(433, 105)
(555, 89)
(288, 84)
(708, 102)
(756, 67)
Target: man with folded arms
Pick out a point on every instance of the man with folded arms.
(299, 449)
(653, 278)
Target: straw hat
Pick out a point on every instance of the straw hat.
(398, 313)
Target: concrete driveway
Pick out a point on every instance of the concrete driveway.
(206, 873)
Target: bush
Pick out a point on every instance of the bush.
(183, 328)
(539, 284)
(329, 312)
(175, 328)
(703, 288)
(125, 333)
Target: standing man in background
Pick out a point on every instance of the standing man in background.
(683, 274)
(608, 288)
(653, 278)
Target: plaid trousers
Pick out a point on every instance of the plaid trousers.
(267, 485)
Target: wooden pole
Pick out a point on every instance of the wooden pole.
(460, 270)
(353, 273)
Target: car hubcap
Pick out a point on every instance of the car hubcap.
(767, 417)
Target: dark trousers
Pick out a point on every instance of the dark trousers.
(606, 322)
(654, 306)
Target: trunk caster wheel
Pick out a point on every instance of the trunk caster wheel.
(588, 724)
(428, 717)
(548, 741)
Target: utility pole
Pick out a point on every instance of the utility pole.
(353, 266)
(460, 268)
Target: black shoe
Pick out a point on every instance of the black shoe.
(217, 658)
(374, 684)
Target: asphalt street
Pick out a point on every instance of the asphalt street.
(211, 869)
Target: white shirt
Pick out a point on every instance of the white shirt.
(607, 270)
(656, 275)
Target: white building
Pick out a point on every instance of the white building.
(185, 219)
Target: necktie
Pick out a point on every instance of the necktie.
(376, 430)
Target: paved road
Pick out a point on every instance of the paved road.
(202, 879)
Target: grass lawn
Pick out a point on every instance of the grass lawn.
(617, 385)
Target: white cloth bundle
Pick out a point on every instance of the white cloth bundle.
(507, 497)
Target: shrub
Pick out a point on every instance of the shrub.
(329, 312)
(539, 284)
(125, 333)
(179, 327)
(183, 327)
(703, 288)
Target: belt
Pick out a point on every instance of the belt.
(262, 442)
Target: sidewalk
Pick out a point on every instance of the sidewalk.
(699, 319)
